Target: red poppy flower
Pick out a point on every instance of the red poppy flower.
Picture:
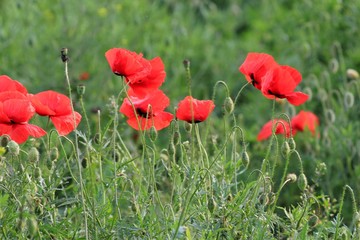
(255, 67)
(280, 82)
(15, 112)
(152, 81)
(8, 84)
(305, 120)
(84, 76)
(128, 64)
(193, 110)
(149, 110)
(266, 130)
(58, 107)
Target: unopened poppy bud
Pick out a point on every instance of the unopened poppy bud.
(228, 105)
(292, 144)
(33, 155)
(245, 158)
(334, 65)
(54, 154)
(348, 100)
(285, 148)
(176, 137)
(84, 162)
(187, 126)
(64, 55)
(292, 177)
(153, 133)
(81, 89)
(4, 141)
(352, 74)
(171, 149)
(211, 204)
(115, 155)
(13, 148)
(37, 172)
(302, 182)
(32, 226)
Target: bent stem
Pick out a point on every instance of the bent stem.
(82, 189)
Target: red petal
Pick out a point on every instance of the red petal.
(5, 128)
(305, 120)
(52, 101)
(266, 130)
(278, 82)
(18, 110)
(159, 121)
(8, 84)
(255, 66)
(21, 132)
(297, 98)
(295, 74)
(191, 109)
(65, 124)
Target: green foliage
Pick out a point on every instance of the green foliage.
(209, 181)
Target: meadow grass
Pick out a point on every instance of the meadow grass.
(215, 181)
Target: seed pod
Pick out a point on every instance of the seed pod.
(34, 155)
(228, 105)
(302, 182)
(81, 89)
(13, 148)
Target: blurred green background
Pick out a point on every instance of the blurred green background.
(319, 38)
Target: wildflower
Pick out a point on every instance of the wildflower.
(146, 111)
(128, 64)
(280, 124)
(305, 120)
(15, 112)
(193, 110)
(84, 76)
(280, 82)
(8, 84)
(255, 67)
(58, 108)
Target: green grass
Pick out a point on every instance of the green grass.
(122, 185)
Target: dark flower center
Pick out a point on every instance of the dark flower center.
(144, 114)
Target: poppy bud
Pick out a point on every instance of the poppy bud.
(54, 154)
(334, 65)
(37, 172)
(285, 148)
(64, 55)
(13, 148)
(211, 204)
(352, 74)
(81, 89)
(245, 158)
(292, 144)
(330, 115)
(84, 162)
(292, 177)
(171, 149)
(302, 182)
(4, 141)
(228, 105)
(348, 100)
(176, 137)
(33, 155)
(187, 126)
(153, 133)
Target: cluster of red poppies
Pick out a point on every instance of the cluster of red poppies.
(277, 81)
(17, 107)
(145, 103)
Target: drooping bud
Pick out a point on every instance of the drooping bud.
(285, 148)
(302, 182)
(13, 148)
(187, 126)
(292, 144)
(348, 100)
(176, 137)
(245, 158)
(211, 204)
(153, 133)
(352, 74)
(228, 105)
(37, 172)
(292, 177)
(34, 155)
(54, 154)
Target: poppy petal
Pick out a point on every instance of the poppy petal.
(56, 102)
(8, 84)
(18, 110)
(305, 120)
(266, 130)
(160, 121)
(21, 132)
(191, 109)
(297, 98)
(65, 124)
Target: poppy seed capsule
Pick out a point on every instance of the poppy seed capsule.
(64, 55)
(228, 105)
(352, 74)
(13, 148)
(302, 182)
(81, 89)
(33, 155)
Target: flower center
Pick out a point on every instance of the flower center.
(144, 114)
